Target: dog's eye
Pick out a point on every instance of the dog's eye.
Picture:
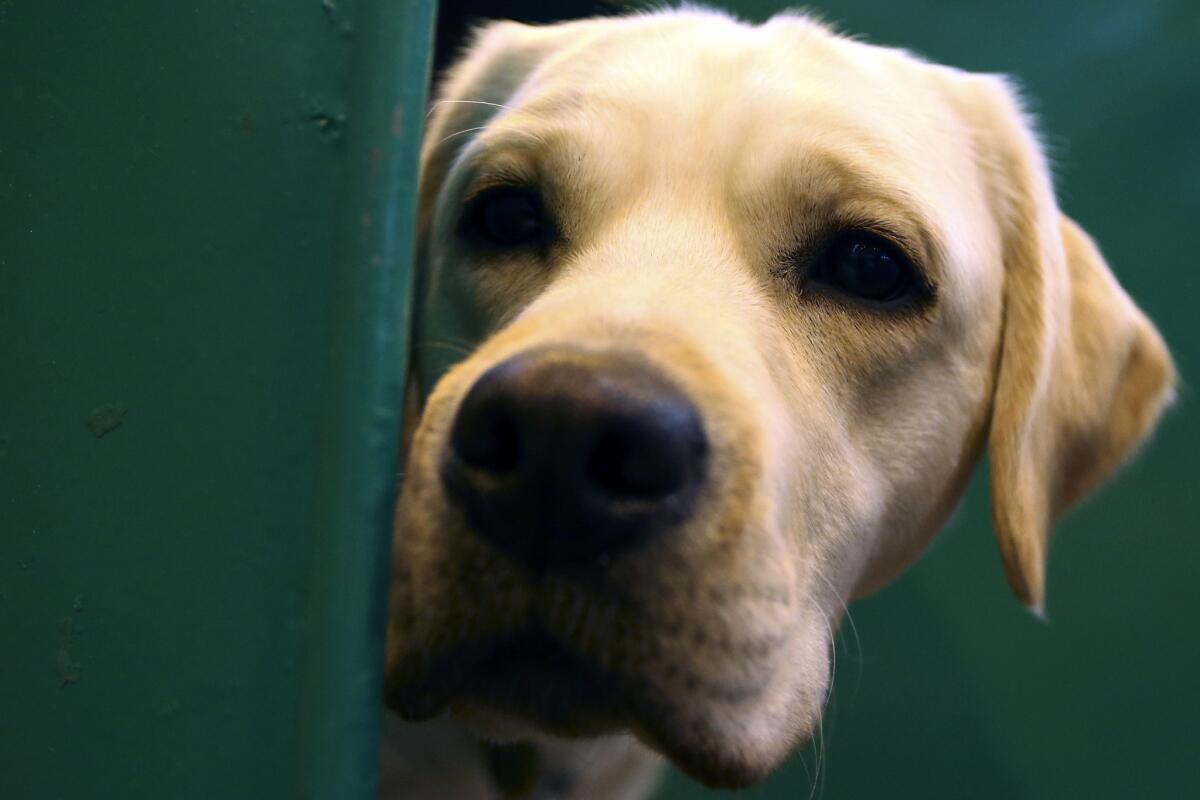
(866, 266)
(508, 218)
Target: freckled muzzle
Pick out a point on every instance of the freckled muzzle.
(565, 458)
(583, 546)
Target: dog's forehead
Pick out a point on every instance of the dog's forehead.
(706, 80)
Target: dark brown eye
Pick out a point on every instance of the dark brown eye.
(866, 266)
(508, 218)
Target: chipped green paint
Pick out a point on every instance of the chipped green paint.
(105, 419)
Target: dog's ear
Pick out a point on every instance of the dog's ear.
(1082, 376)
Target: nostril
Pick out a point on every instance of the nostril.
(623, 468)
(486, 437)
(650, 456)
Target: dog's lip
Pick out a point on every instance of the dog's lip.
(528, 675)
(536, 680)
(535, 677)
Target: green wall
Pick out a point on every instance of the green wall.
(949, 689)
(205, 224)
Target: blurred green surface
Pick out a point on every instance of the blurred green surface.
(949, 689)
(205, 224)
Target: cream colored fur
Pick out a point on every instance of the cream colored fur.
(687, 156)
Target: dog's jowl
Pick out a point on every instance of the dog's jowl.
(737, 311)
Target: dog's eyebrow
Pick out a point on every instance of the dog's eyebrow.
(870, 201)
(544, 161)
(493, 177)
(500, 163)
(811, 189)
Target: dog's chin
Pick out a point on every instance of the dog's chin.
(530, 688)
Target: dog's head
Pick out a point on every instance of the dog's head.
(739, 307)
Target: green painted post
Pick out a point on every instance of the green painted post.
(205, 234)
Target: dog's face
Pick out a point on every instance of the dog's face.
(741, 306)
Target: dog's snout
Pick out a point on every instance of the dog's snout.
(563, 457)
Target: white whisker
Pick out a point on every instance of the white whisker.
(460, 133)
(850, 620)
(819, 756)
(450, 346)
(434, 107)
(819, 751)
(507, 131)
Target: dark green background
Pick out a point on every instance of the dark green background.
(951, 690)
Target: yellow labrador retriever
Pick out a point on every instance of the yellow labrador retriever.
(740, 307)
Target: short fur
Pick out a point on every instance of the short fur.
(687, 156)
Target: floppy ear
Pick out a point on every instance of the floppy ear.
(1083, 375)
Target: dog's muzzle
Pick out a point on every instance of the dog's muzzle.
(565, 458)
(583, 548)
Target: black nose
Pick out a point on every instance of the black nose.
(564, 457)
